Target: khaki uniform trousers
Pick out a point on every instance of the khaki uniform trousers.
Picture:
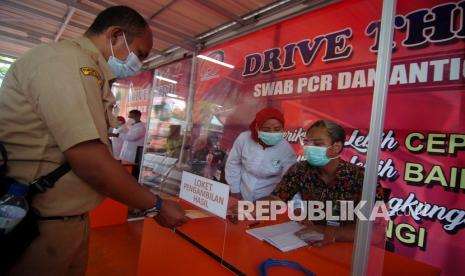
(61, 249)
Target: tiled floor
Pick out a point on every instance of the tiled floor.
(114, 250)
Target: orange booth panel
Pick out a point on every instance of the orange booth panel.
(109, 212)
(165, 252)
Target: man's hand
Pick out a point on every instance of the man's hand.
(171, 214)
(297, 212)
(232, 214)
(308, 235)
(238, 196)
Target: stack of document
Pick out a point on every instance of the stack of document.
(281, 235)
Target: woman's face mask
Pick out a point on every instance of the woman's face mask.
(270, 138)
(316, 156)
(131, 121)
(124, 68)
(270, 132)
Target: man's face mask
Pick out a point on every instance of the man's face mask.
(126, 68)
(316, 156)
(270, 138)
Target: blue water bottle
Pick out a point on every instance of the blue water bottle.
(13, 207)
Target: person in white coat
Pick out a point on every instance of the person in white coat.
(117, 137)
(259, 157)
(134, 138)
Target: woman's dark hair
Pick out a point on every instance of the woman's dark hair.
(336, 132)
(128, 19)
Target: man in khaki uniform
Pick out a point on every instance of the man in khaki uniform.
(55, 107)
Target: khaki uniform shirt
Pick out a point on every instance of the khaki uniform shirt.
(54, 97)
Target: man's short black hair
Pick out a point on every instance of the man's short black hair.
(128, 19)
(135, 112)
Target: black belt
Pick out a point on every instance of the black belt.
(63, 218)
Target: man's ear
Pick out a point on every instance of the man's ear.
(114, 34)
(338, 146)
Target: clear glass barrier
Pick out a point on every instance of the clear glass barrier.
(297, 70)
(133, 93)
(423, 129)
(167, 125)
(313, 67)
(172, 150)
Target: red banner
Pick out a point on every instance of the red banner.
(321, 65)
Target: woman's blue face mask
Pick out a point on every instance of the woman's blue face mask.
(270, 138)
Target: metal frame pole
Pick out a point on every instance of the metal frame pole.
(383, 66)
(147, 127)
(190, 103)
